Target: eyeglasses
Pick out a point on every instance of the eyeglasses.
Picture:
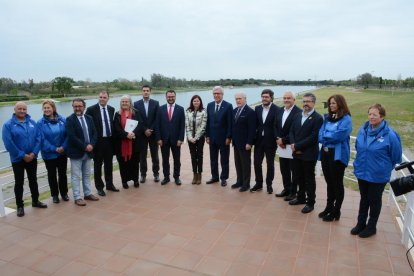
(307, 101)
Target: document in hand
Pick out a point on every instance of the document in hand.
(130, 125)
(286, 152)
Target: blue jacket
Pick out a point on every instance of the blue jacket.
(219, 124)
(375, 161)
(173, 130)
(20, 138)
(336, 135)
(244, 128)
(53, 135)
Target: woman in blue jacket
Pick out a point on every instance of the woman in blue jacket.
(378, 151)
(334, 155)
(54, 141)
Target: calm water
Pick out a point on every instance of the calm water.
(183, 99)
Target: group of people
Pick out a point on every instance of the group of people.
(99, 132)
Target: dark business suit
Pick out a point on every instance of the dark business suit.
(148, 121)
(218, 129)
(282, 131)
(103, 150)
(265, 144)
(243, 133)
(169, 132)
(305, 139)
(76, 141)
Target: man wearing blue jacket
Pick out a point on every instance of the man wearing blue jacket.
(21, 139)
(243, 133)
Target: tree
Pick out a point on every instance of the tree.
(63, 85)
(365, 80)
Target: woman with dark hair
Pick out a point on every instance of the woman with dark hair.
(126, 145)
(196, 119)
(54, 142)
(378, 150)
(335, 154)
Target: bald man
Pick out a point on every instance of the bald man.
(21, 139)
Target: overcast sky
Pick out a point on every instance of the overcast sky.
(292, 39)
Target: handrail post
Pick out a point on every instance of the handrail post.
(2, 209)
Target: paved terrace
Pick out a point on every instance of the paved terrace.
(196, 230)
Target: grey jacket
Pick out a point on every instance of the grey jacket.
(201, 121)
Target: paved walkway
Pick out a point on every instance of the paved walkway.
(196, 230)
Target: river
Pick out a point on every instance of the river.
(183, 99)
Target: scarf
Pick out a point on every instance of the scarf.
(126, 144)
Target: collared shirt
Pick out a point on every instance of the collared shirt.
(217, 104)
(265, 112)
(304, 117)
(146, 104)
(104, 134)
(286, 114)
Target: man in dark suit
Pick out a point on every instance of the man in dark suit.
(243, 132)
(103, 119)
(148, 109)
(218, 135)
(305, 147)
(265, 141)
(169, 134)
(284, 119)
(82, 138)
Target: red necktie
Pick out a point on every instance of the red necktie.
(170, 113)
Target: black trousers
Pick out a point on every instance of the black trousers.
(286, 169)
(260, 151)
(333, 171)
(196, 152)
(31, 170)
(129, 170)
(176, 153)
(149, 141)
(371, 200)
(224, 161)
(103, 155)
(304, 176)
(57, 182)
(243, 163)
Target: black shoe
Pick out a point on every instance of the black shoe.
(367, 232)
(136, 184)
(65, 198)
(177, 181)
(289, 197)
(156, 178)
(101, 193)
(211, 181)
(223, 183)
(324, 213)
(282, 193)
(307, 209)
(357, 229)
(125, 185)
(112, 188)
(332, 216)
(55, 199)
(243, 189)
(39, 204)
(296, 202)
(269, 190)
(20, 211)
(165, 181)
(236, 186)
(142, 179)
(256, 188)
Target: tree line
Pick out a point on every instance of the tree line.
(65, 86)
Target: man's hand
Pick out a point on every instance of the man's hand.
(179, 143)
(60, 150)
(279, 142)
(28, 157)
(131, 135)
(159, 142)
(148, 132)
(207, 140)
(248, 147)
(228, 140)
(89, 148)
(293, 147)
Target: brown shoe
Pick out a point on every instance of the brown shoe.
(195, 177)
(91, 197)
(199, 179)
(80, 202)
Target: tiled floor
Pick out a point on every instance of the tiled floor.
(196, 230)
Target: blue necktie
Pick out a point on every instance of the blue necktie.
(108, 130)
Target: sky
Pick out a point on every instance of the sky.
(99, 40)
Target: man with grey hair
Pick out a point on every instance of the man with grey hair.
(303, 138)
(243, 133)
(218, 135)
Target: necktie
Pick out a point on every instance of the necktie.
(217, 108)
(237, 113)
(170, 113)
(107, 129)
(85, 131)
